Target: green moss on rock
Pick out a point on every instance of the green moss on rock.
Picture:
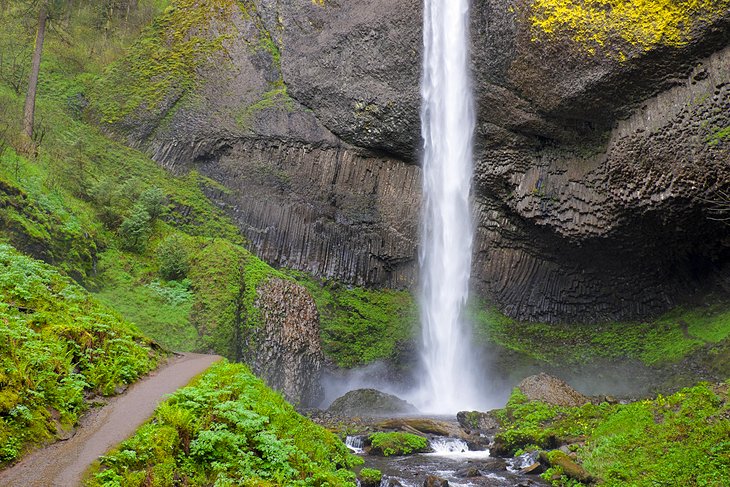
(619, 25)
(389, 444)
(162, 65)
(361, 325)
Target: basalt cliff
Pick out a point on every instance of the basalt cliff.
(602, 170)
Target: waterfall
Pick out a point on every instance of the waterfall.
(447, 124)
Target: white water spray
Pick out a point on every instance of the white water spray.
(447, 124)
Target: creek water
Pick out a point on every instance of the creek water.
(450, 460)
(447, 125)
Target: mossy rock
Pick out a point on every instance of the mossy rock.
(370, 477)
(389, 444)
(570, 469)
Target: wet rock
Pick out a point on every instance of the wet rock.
(370, 402)
(392, 483)
(494, 465)
(533, 469)
(530, 463)
(499, 449)
(287, 353)
(570, 468)
(422, 426)
(468, 472)
(549, 389)
(476, 421)
(434, 481)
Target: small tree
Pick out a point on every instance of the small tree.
(152, 200)
(135, 230)
(173, 258)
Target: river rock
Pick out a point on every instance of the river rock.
(370, 402)
(549, 389)
(468, 472)
(476, 421)
(570, 468)
(435, 481)
(423, 426)
(287, 353)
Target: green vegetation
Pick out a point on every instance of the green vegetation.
(370, 476)
(57, 343)
(719, 136)
(397, 443)
(665, 340)
(161, 67)
(228, 428)
(681, 439)
(623, 24)
(361, 325)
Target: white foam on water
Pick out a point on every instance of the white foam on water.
(454, 447)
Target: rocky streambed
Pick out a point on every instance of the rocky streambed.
(402, 447)
(450, 463)
(409, 449)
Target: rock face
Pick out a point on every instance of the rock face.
(370, 402)
(600, 166)
(287, 353)
(549, 389)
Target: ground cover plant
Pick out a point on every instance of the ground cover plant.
(679, 439)
(228, 428)
(57, 343)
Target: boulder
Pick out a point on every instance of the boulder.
(285, 349)
(370, 402)
(422, 426)
(435, 481)
(477, 421)
(549, 389)
(570, 468)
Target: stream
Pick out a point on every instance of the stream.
(451, 460)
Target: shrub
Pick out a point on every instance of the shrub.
(136, 229)
(370, 476)
(152, 200)
(173, 258)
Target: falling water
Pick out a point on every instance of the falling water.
(447, 124)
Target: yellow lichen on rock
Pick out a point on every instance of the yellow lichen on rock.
(642, 24)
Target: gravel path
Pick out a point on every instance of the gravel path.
(63, 463)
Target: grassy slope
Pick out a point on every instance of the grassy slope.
(668, 339)
(57, 343)
(681, 439)
(228, 428)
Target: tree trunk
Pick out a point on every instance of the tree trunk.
(29, 112)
